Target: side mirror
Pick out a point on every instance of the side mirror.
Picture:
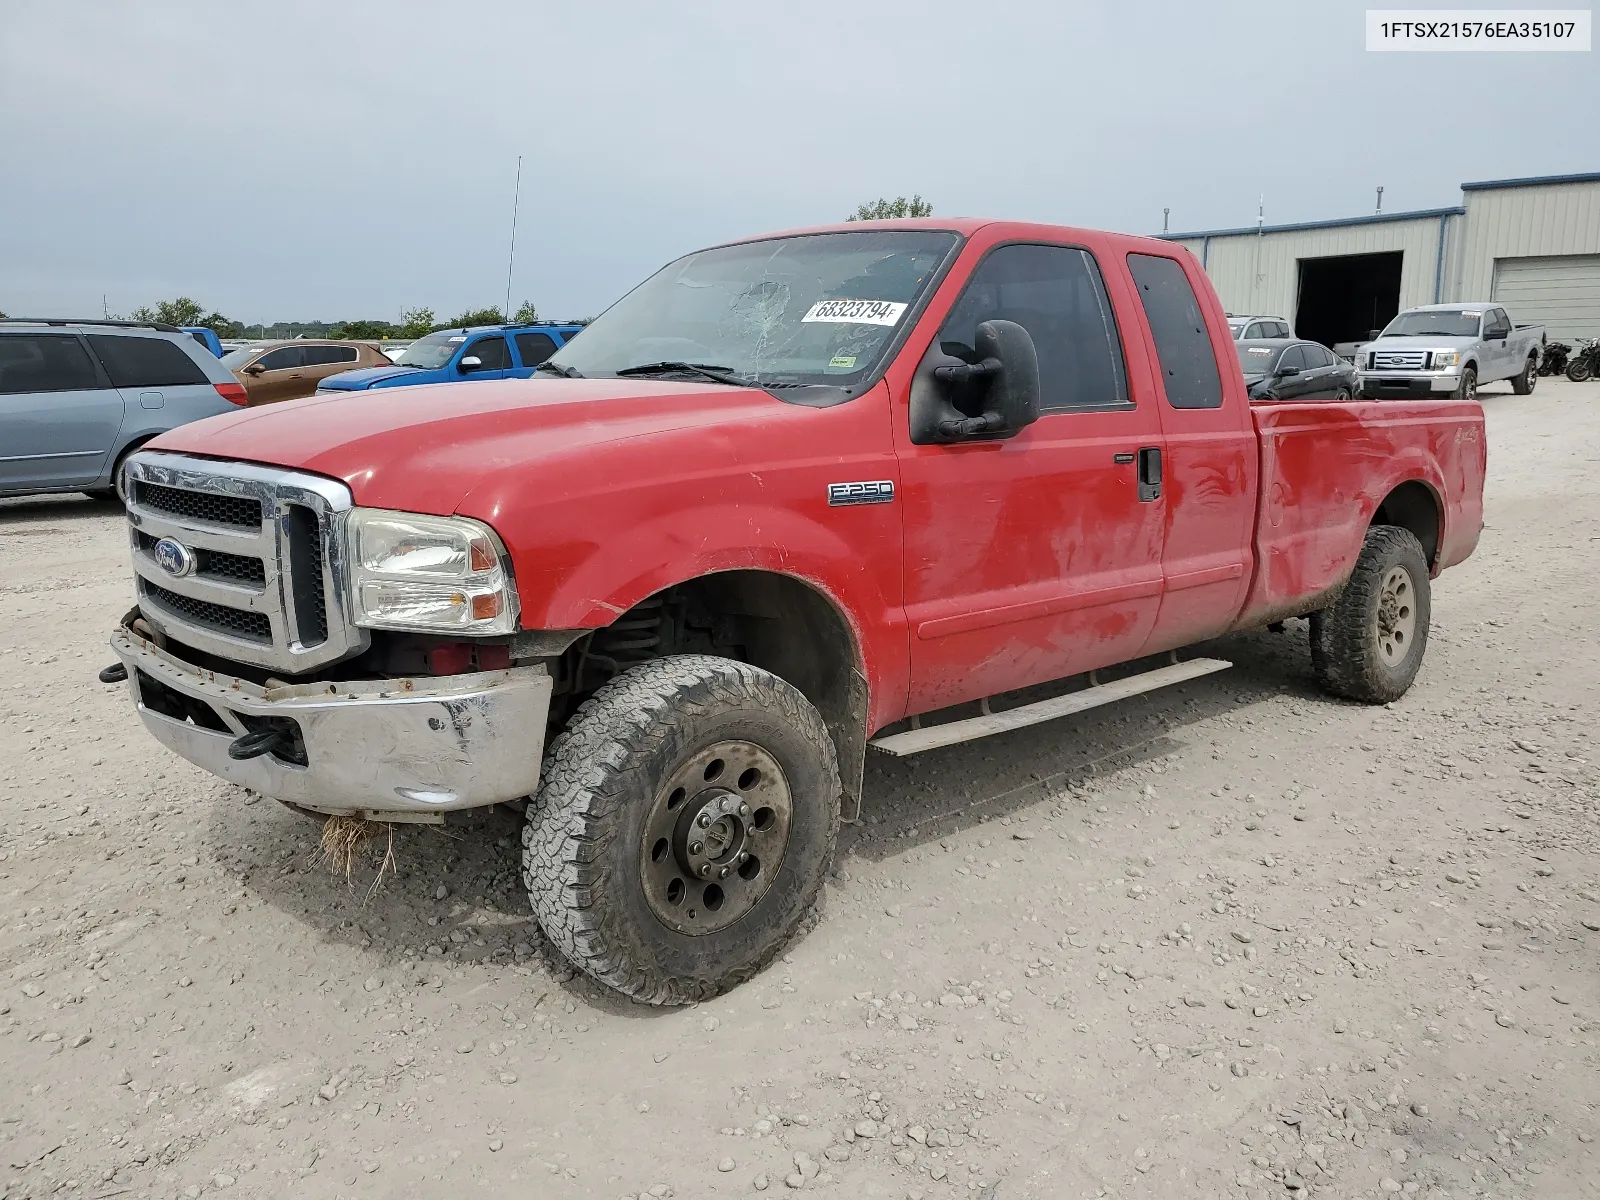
(1288, 372)
(471, 362)
(254, 369)
(1374, 334)
(997, 396)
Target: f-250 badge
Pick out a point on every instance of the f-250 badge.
(879, 491)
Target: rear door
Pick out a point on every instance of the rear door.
(533, 347)
(1211, 460)
(59, 414)
(323, 361)
(1037, 556)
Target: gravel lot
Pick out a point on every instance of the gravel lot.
(1234, 939)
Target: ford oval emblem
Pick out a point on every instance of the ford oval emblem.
(173, 557)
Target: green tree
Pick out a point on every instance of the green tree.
(416, 322)
(477, 316)
(364, 331)
(184, 311)
(883, 209)
(527, 314)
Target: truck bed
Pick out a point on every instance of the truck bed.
(1325, 468)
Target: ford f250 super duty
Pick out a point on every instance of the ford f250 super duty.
(790, 499)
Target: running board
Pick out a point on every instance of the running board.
(931, 737)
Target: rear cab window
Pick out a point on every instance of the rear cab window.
(146, 362)
(1188, 363)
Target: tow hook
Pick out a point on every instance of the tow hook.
(256, 743)
(115, 673)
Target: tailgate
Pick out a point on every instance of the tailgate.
(1326, 469)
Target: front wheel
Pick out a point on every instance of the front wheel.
(1579, 369)
(1523, 384)
(683, 826)
(1343, 395)
(1368, 644)
(1468, 388)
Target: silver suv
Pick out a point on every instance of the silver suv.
(77, 396)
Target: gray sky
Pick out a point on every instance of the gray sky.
(301, 161)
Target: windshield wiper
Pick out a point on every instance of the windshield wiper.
(558, 369)
(705, 370)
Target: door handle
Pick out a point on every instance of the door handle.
(1149, 474)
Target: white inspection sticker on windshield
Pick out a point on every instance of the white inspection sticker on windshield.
(1261, 350)
(856, 312)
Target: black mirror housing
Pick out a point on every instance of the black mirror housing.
(1374, 334)
(995, 397)
(1286, 372)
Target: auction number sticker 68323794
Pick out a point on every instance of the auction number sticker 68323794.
(856, 312)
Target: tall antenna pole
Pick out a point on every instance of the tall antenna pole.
(1379, 209)
(1165, 214)
(511, 259)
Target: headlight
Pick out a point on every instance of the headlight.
(1445, 358)
(430, 574)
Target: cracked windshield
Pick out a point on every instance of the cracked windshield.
(814, 309)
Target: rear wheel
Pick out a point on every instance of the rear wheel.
(1368, 644)
(1524, 383)
(1468, 389)
(683, 827)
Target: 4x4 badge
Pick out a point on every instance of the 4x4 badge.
(878, 491)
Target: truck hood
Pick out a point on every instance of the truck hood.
(362, 377)
(1431, 341)
(423, 449)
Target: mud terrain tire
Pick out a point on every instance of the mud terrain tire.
(1369, 643)
(596, 820)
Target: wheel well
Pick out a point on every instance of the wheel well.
(1412, 506)
(768, 620)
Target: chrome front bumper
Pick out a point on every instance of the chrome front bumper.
(385, 746)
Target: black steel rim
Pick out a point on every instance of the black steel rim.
(715, 837)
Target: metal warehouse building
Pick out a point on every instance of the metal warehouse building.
(1530, 244)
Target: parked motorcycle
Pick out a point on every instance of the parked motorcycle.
(1585, 363)
(1554, 361)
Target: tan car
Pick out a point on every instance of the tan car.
(287, 370)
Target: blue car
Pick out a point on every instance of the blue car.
(451, 355)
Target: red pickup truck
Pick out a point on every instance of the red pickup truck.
(790, 498)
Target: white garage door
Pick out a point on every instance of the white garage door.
(1560, 293)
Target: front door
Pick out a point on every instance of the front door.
(1038, 556)
(59, 416)
(277, 375)
(493, 355)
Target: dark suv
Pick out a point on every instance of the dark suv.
(77, 396)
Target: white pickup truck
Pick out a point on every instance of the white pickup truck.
(1449, 349)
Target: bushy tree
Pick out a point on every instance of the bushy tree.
(184, 311)
(361, 331)
(527, 314)
(416, 322)
(883, 209)
(477, 316)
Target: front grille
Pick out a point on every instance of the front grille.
(217, 564)
(305, 563)
(239, 512)
(1399, 360)
(231, 622)
(268, 544)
